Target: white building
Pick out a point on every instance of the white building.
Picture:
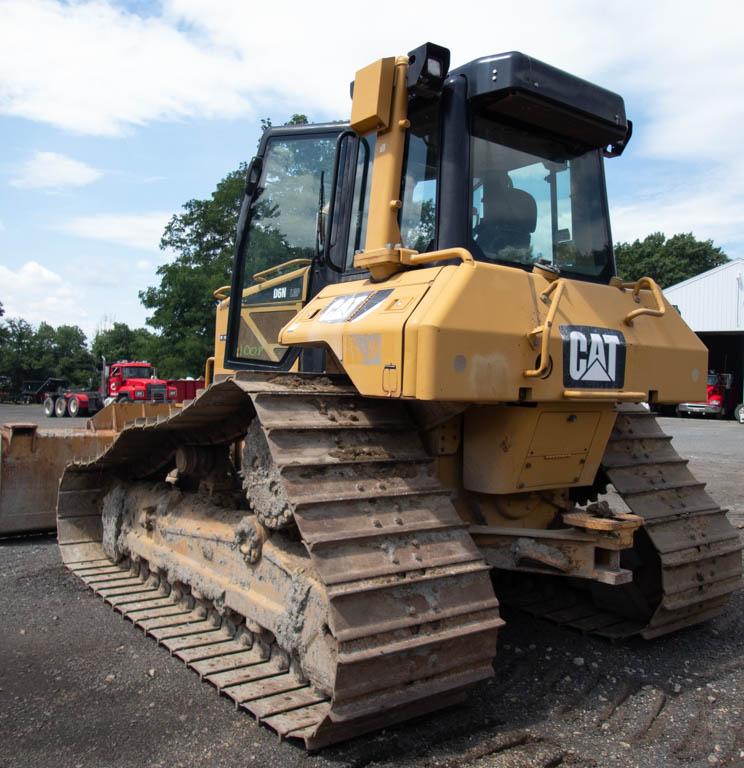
(712, 304)
(712, 301)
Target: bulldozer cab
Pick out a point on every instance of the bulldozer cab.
(502, 156)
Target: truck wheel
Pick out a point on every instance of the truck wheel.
(60, 407)
(73, 407)
(49, 407)
(123, 399)
(739, 413)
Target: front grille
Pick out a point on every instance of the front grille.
(156, 393)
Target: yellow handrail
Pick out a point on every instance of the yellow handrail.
(208, 372)
(260, 277)
(414, 259)
(636, 287)
(222, 292)
(558, 286)
(604, 394)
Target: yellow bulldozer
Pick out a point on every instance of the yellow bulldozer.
(426, 394)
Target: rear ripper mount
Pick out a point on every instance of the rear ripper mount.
(687, 557)
(387, 611)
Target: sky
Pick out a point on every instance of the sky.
(113, 114)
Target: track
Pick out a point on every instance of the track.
(387, 613)
(686, 563)
(404, 615)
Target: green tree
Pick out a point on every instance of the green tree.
(3, 329)
(202, 236)
(668, 261)
(28, 353)
(72, 358)
(296, 119)
(120, 342)
(18, 351)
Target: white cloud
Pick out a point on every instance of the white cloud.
(37, 294)
(94, 68)
(97, 68)
(142, 231)
(710, 210)
(50, 170)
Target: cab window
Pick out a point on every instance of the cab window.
(419, 182)
(285, 223)
(360, 203)
(418, 186)
(534, 199)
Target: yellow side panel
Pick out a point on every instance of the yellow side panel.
(468, 340)
(510, 449)
(362, 323)
(470, 333)
(220, 336)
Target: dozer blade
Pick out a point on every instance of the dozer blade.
(32, 460)
(348, 597)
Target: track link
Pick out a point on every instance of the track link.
(411, 614)
(688, 558)
(256, 676)
(699, 550)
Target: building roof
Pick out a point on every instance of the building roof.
(712, 301)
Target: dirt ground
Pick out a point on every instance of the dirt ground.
(81, 687)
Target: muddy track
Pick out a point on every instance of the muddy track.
(411, 616)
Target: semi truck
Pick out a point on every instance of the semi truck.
(123, 381)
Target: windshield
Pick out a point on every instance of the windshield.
(534, 199)
(136, 371)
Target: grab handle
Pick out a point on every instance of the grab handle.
(556, 287)
(636, 287)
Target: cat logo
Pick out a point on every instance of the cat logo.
(593, 358)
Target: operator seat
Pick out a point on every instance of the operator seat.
(509, 217)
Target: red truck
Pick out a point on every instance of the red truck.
(123, 381)
(720, 399)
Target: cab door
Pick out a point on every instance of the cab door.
(278, 263)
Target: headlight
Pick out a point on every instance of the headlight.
(139, 392)
(173, 393)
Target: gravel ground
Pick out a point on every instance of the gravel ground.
(81, 687)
